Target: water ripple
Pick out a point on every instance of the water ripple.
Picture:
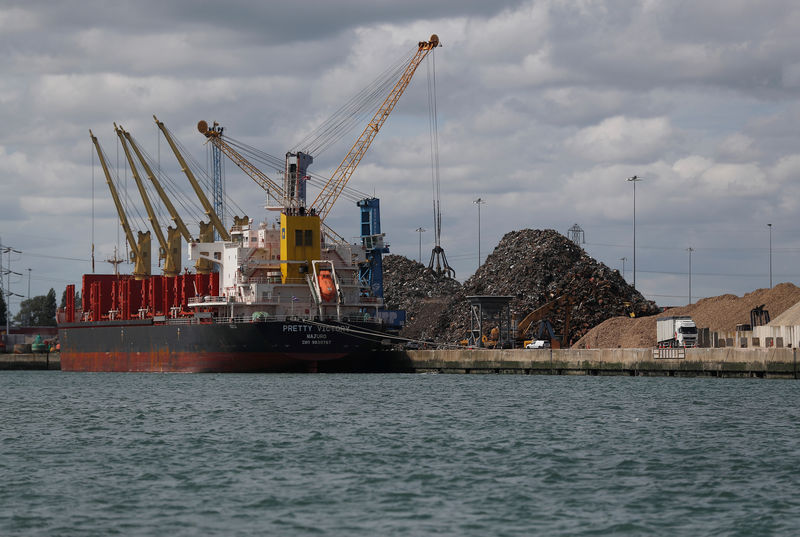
(128, 454)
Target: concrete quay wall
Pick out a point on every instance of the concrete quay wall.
(30, 361)
(725, 362)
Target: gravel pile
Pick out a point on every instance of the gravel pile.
(533, 266)
(790, 317)
(718, 314)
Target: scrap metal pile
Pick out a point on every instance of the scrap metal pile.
(533, 266)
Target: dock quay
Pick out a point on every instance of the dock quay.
(725, 362)
(719, 362)
(30, 361)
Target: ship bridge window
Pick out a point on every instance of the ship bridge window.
(298, 237)
(309, 237)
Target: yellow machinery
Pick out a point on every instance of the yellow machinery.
(541, 313)
(140, 247)
(169, 250)
(300, 245)
(214, 135)
(212, 215)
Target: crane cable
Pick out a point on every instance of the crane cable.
(199, 172)
(433, 126)
(277, 164)
(187, 203)
(359, 107)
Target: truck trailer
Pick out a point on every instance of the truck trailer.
(676, 331)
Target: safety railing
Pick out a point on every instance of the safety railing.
(669, 353)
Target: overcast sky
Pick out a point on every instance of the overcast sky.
(544, 109)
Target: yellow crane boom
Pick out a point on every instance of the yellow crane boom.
(141, 248)
(214, 135)
(212, 215)
(333, 188)
(170, 254)
(273, 189)
(176, 217)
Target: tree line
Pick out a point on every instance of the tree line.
(36, 311)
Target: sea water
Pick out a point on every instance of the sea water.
(171, 454)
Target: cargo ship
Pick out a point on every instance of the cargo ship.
(272, 305)
(282, 295)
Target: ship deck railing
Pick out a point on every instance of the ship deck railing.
(364, 301)
(268, 318)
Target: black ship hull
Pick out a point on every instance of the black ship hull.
(268, 346)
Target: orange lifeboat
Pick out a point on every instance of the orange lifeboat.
(326, 287)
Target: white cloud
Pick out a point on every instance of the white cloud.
(735, 180)
(622, 139)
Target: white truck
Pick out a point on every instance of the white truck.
(676, 331)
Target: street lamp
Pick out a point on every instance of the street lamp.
(420, 230)
(690, 250)
(770, 255)
(479, 202)
(29, 296)
(635, 179)
(623, 259)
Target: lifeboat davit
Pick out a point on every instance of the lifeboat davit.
(326, 287)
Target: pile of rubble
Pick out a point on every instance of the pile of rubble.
(532, 266)
(410, 286)
(718, 314)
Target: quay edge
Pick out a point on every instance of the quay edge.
(37, 361)
(757, 363)
(727, 362)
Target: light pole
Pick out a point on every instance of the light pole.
(29, 296)
(770, 255)
(479, 202)
(623, 259)
(690, 250)
(420, 230)
(635, 179)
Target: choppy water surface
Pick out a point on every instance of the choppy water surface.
(159, 454)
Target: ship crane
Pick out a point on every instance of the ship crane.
(173, 213)
(202, 266)
(206, 234)
(274, 190)
(337, 182)
(140, 248)
(438, 264)
(214, 135)
(170, 248)
(371, 236)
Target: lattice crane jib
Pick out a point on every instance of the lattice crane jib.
(215, 136)
(212, 215)
(333, 188)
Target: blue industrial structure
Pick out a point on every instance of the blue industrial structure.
(373, 241)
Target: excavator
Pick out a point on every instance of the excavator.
(540, 317)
